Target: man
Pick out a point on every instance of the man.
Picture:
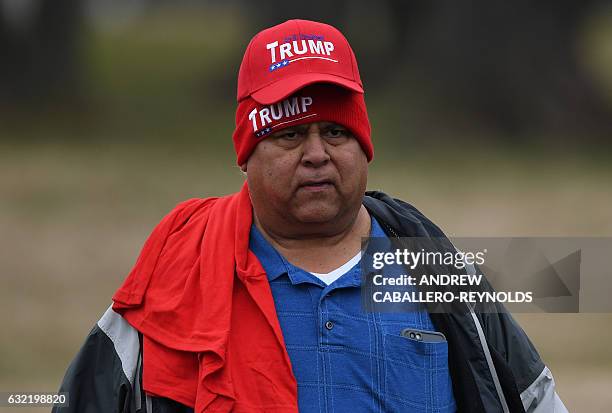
(252, 302)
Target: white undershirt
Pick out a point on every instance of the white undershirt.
(333, 275)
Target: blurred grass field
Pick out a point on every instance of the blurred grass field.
(80, 190)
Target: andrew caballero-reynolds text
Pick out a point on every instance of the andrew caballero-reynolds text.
(412, 260)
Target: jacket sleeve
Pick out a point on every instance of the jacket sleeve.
(517, 359)
(104, 377)
(541, 396)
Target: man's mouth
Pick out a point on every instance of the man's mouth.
(317, 185)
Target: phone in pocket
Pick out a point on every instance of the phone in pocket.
(423, 335)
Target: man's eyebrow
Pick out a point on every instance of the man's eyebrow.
(329, 125)
(297, 128)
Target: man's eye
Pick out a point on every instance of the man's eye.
(337, 133)
(288, 135)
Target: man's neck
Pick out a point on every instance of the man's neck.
(321, 253)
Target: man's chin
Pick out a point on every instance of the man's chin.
(317, 213)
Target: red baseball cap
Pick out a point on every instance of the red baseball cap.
(282, 59)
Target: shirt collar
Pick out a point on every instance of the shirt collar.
(274, 263)
(270, 259)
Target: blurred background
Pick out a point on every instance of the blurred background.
(492, 117)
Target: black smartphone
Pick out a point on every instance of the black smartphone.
(423, 335)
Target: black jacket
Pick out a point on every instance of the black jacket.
(493, 365)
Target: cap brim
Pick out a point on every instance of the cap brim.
(285, 87)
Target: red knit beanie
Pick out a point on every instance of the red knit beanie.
(315, 103)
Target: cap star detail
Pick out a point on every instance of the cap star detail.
(263, 132)
(278, 65)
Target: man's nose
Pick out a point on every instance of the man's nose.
(314, 149)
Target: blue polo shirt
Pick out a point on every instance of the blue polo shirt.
(345, 359)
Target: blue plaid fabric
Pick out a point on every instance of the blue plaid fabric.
(348, 360)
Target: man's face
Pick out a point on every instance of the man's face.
(308, 174)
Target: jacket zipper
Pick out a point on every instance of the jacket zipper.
(391, 230)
